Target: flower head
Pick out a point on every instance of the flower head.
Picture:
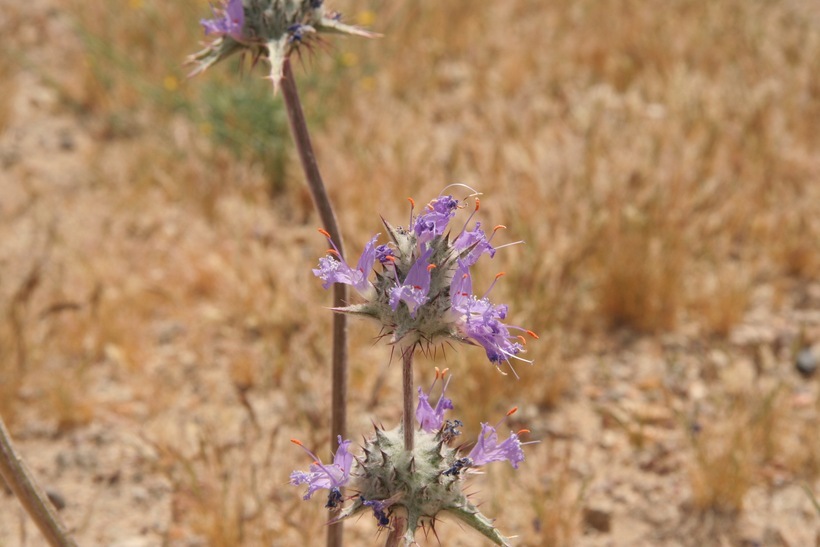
(272, 29)
(423, 293)
(320, 476)
(430, 480)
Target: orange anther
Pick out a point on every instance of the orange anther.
(500, 274)
(499, 227)
(296, 441)
(444, 372)
(333, 252)
(532, 334)
(524, 431)
(512, 411)
(438, 373)
(324, 233)
(430, 267)
(391, 258)
(412, 203)
(523, 340)
(477, 204)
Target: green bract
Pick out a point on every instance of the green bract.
(417, 482)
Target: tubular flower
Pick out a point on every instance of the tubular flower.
(488, 450)
(422, 292)
(480, 320)
(333, 269)
(414, 291)
(270, 29)
(320, 476)
(432, 419)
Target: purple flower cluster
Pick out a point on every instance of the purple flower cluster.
(425, 288)
(487, 448)
(435, 428)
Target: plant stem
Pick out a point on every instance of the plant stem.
(408, 422)
(397, 533)
(298, 127)
(17, 476)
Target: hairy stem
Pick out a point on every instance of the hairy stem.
(298, 127)
(408, 421)
(17, 476)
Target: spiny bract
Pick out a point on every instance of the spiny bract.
(420, 485)
(267, 28)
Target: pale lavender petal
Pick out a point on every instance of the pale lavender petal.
(488, 450)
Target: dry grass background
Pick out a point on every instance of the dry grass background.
(161, 337)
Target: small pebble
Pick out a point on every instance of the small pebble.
(56, 499)
(806, 363)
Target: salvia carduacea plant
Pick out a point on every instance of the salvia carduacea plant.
(269, 29)
(273, 30)
(417, 286)
(421, 295)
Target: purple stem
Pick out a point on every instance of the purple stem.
(298, 127)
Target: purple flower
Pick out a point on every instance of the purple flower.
(414, 291)
(480, 320)
(331, 477)
(230, 23)
(335, 270)
(379, 510)
(475, 242)
(433, 222)
(384, 254)
(488, 450)
(431, 419)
